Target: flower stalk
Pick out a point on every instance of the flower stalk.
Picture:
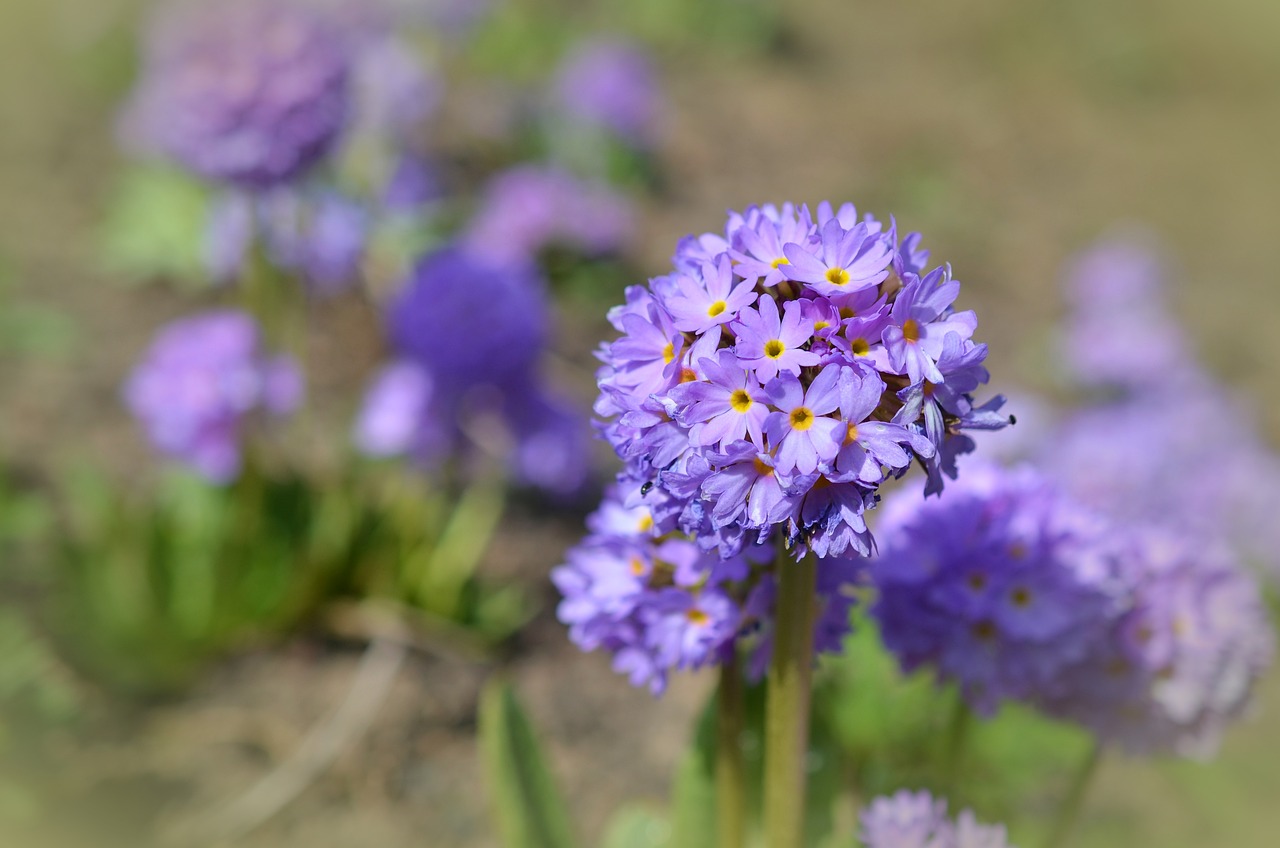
(731, 770)
(1069, 812)
(787, 703)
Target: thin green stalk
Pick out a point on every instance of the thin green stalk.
(957, 741)
(462, 543)
(787, 704)
(1069, 812)
(731, 770)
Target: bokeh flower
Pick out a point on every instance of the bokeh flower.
(199, 384)
(917, 820)
(249, 92)
(610, 85)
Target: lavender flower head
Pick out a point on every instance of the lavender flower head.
(1119, 330)
(199, 384)
(759, 396)
(918, 820)
(1001, 585)
(249, 92)
(783, 371)
(659, 604)
(529, 208)
(611, 85)
(1179, 664)
(467, 333)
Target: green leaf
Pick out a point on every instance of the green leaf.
(530, 810)
(693, 802)
(636, 827)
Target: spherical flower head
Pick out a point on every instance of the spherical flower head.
(611, 85)
(529, 208)
(1180, 663)
(1119, 330)
(200, 382)
(468, 333)
(784, 370)
(917, 820)
(248, 92)
(1001, 585)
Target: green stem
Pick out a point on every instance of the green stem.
(731, 770)
(957, 741)
(787, 704)
(466, 536)
(1065, 821)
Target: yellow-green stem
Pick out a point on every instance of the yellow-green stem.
(1069, 812)
(731, 771)
(787, 704)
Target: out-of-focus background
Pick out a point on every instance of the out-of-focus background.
(1011, 132)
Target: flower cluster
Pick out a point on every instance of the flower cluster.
(918, 820)
(200, 380)
(1007, 586)
(1002, 584)
(531, 207)
(782, 372)
(658, 603)
(250, 92)
(1181, 661)
(610, 85)
(468, 333)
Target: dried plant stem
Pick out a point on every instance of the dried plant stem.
(787, 704)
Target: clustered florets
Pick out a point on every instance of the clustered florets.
(199, 383)
(760, 394)
(782, 372)
(250, 92)
(918, 820)
(1014, 591)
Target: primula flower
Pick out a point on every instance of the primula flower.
(749, 424)
(468, 333)
(200, 384)
(610, 85)
(249, 92)
(917, 820)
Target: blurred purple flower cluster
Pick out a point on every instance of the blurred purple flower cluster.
(917, 820)
(609, 85)
(250, 92)
(468, 333)
(1012, 589)
(199, 384)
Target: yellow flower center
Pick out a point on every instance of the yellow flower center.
(646, 523)
(774, 348)
(781, 260)
(637, 566)
(716, 308)
(801, 418)
(1021, 597)
(697, 616)
(762, 468)
(740, 400)
(911, 330)
(847, 312)
(688, 375)
(820, 325)
(860, 347)
(669, 352)
(851, 434)
(837, 276)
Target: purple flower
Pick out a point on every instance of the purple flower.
(468, 334)
(612, 85)
(529, 208)
(750, 423)
(249, 92)
(917, 820)
(1002, 584)
(770, 345)
(921, 323)
(728, 406)
(709, 300)
(199, 385)
(844, 261)
(804, 437)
